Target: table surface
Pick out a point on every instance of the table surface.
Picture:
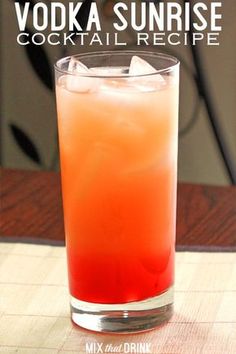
(31, 210)
(35, 318)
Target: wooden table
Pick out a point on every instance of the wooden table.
(31, 208)
(34, 312)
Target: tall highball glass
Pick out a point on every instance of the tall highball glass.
(118, 134)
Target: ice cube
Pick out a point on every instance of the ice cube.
(139, 66)
(76, 66)
(79, 82)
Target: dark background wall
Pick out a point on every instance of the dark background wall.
(28, 116)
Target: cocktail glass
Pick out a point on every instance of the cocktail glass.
(118, 128)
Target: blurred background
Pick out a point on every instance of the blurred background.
(207, 137)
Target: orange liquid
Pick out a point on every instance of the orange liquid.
(118, 152)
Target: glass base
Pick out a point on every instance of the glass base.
(130, 317)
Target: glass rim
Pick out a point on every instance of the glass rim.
(175, 63)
